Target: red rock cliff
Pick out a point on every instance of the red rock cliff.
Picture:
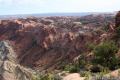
(40, 44)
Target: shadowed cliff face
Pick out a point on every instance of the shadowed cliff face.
(117, 19)
(40, 43)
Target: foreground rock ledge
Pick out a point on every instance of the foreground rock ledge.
(9, 69)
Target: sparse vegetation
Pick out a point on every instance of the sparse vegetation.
(118, 32)
(105, 59)
(72, 68)
(76, 66)
(105, 55)
(106, 27)
(90, 46)
(48, 76)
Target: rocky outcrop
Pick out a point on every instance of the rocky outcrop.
(117, 19)
(42, 44)
(9, 68)
(74, 76)
(45, 43)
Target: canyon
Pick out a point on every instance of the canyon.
(44, 44)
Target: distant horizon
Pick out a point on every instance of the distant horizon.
(80, 14)
(14, 7)
(56, 13)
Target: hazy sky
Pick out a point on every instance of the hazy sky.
(53, 6)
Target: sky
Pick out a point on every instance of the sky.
(11, 7)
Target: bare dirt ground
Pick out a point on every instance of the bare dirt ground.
(73, 76)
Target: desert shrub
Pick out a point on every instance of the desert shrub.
(105, 54)
(36, 77)
(72, 68)
(80, 64)
(57, 77)
(116, 36)
(90, 46)
(84, 64)
(47, 76)
(66, 67)
(106, 26)
(104, 70)
(85, 74)
(95, 68)
(118, 32)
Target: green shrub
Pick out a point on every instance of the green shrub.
(116, 36)
(57, 77)
(90, 46)
(118, 32)
(82, 63)
(105, 54)
(72, 68)
(106, 27)
(85, 74)
(47, 76)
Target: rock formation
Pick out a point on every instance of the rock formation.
(40, 45)
(117, 19)
(43, 43)
(9, 69)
